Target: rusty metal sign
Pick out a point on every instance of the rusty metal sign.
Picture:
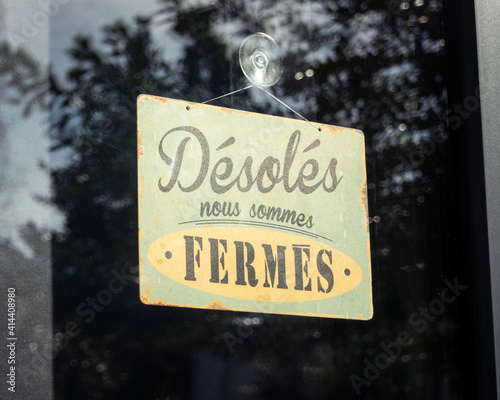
(251, 212)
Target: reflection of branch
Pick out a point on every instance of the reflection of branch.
(22, 73)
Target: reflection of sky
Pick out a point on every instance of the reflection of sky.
(17, 16)
(87, 17)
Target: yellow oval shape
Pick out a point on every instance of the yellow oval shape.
(254, 264)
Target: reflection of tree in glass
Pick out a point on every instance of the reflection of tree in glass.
(25, 195)
(355, 64)
(24, 76)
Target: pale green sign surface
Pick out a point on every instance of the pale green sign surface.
(251, 212)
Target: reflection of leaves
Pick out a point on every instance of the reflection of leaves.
(22, 73)
(367, 71)
(104, 85)
(94, 116)
(14, 101)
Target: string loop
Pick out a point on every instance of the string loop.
(261, 63)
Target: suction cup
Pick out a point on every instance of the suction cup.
(260, 59)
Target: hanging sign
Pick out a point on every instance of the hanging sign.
(250, 212)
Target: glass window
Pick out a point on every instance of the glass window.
(71, 72)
